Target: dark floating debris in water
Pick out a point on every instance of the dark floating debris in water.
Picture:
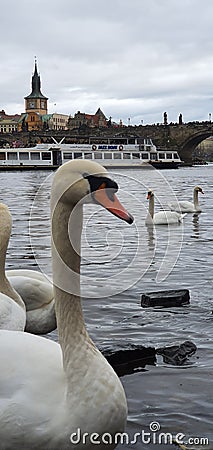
(177, 297)
(177, 354)
(130, 359)
(134, 358)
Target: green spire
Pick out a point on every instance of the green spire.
(36, 84)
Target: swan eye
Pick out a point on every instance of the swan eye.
(97, 183)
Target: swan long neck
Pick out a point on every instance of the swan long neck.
(66, 243)
(151, 206)
(196, 202)
(5, 232)
(4, 241)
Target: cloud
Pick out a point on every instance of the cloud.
(133, 59)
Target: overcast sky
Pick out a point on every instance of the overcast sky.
(134, 59)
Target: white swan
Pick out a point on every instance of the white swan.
(186, 206)
(37, 293)
(162, 217)
(12, 308)
(50, 391)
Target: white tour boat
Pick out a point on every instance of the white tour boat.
(51, 156)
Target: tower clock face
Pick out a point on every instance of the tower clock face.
(32, 104)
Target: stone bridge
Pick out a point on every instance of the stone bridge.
(183, 138)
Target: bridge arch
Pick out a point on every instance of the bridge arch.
(187, 148)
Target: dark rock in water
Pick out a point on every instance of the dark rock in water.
(169, 298)
(134, 358)
(130, 359)
(177, 355)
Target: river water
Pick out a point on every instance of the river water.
(119, 263)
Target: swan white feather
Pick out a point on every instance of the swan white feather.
(186, 206)
(37, 293)
(50, 390)
(161, 217)
(12, 307)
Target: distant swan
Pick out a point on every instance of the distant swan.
(162, 217)
(37, 293)
(12, 308)
(50, 391)
(186, 206)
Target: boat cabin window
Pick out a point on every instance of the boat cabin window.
(161, 155)
(145, 155)
(87, 155)
(107, 155)
(77, 155)
(153, 156)
(169, 155)
(117, 155)
(2, 155)
(67, 155)
(45, 156)
(35, 156)
(126, 155)
(176, 156)
(12, 155)
(98, 155)
(23, 155)
(136, 155)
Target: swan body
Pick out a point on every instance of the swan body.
(161, 217)
(37, 293)
(11, 314)
(48, 390)
(186, 206)
(12, 307)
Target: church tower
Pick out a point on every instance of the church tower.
(36, 101)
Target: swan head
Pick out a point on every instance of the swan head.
(198, 189)
(150, 194)
(87, 182)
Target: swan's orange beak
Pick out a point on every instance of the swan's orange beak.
(107, 198)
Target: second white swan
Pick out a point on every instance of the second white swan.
(161, 217)
(37, 293)
(12, 307)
